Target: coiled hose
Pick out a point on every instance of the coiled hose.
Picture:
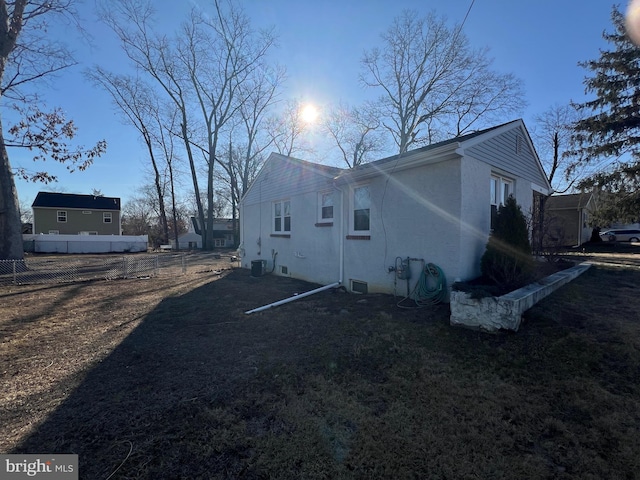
(430, 289)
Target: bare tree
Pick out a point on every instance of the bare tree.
(431, 79)
(27, 55)
(355, 132)
(220, 54)
(286, 130)
(552, 133)
(202, 70)
(155, 55)
(140, 108)
(247, 140)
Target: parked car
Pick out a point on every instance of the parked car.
(621, 235)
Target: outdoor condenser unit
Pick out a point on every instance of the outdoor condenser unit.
(258, 268)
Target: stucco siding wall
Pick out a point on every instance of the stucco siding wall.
(475, 224)
(309, 252)
(415, 214)
(476, 212)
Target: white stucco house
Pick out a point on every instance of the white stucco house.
(326, 224)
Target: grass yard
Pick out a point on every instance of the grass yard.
(168, 378)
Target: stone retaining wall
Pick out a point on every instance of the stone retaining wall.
(505, 312)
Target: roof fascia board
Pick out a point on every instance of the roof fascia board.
(537, 188)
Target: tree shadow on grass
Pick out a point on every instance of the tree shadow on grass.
(174, 398)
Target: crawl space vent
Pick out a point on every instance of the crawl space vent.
(284, 270)
(358, 286)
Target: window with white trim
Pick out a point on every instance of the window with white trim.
(282, 216)
(501, 189)
(62, 216)
(361, 209)
(325, 207)
(106, 217)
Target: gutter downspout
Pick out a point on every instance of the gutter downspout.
(341, 243)
(291, 299)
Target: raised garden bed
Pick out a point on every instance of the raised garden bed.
(493, 313)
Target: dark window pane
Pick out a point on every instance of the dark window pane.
(361, 219)
(278, 224)
(327, 212)
(287, 224)
(494, 216)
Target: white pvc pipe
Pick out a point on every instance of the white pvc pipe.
(295, 297)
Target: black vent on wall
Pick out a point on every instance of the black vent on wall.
(359, 287)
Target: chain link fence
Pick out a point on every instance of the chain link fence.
(60, 269)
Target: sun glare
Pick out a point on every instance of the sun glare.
(309, 113)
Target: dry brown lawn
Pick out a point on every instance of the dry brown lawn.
(168, 378)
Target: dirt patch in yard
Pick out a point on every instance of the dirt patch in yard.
(169, 378)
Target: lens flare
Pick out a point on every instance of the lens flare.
(309, 113)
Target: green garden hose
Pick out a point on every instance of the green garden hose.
(430, 289)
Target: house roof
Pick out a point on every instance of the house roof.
(573, 201)
(459, 139)
(441, 151)
(72, 200)
(324, 169)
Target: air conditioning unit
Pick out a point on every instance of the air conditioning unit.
(258, 268)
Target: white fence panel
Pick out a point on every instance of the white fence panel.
(85, 243)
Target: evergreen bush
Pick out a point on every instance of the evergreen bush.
(507, 259)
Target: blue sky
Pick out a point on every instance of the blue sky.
(321, 43)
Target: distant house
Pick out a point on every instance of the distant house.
(366, 227)
(72, 214)
(223, 235)
(567, 219)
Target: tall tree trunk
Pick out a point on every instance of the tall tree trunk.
(11, 247)
(158, 185)
(174, 215)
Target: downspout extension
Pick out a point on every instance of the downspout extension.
(295, 297)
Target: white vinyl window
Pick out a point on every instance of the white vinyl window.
(361, 209)
(500, 189)
(106, 217)
(62, 216)
(325, 207)
(282, 216)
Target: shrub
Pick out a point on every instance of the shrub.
(595, 235)
(507, 259)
